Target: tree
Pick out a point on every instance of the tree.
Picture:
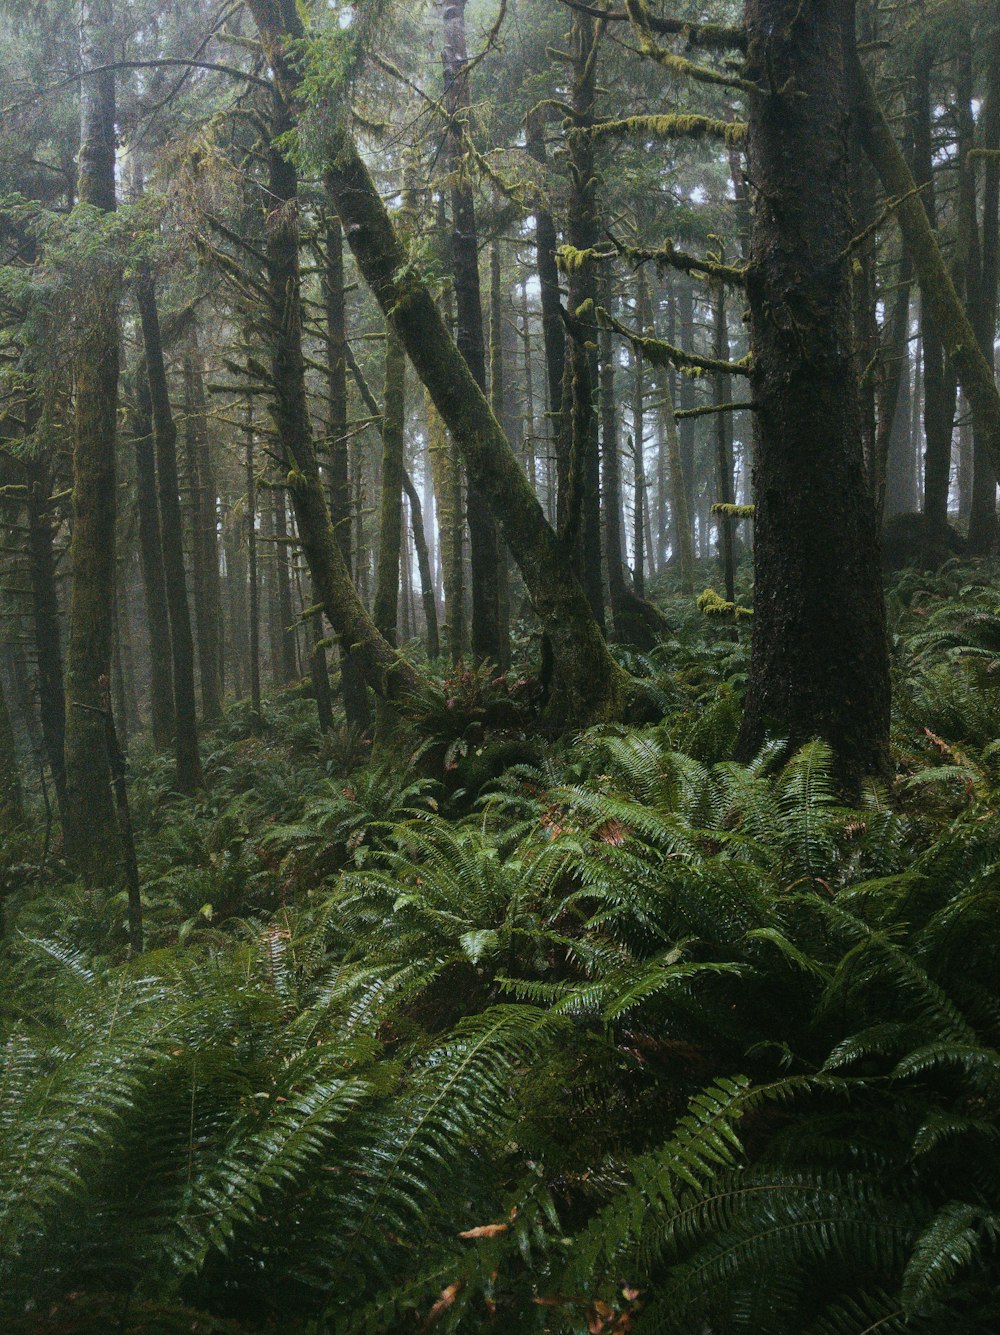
(819, 662)
(93, 829)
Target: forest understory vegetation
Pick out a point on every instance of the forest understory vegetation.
(485, 1032)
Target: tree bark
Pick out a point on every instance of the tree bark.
(819, 660)
(94, 840)
(154, 583)
(384, 610)
(205, 553)
(42, 525)
(187, 762)
(11, 798)
(352, 683)
(483, 544)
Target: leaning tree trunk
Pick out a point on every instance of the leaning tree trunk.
(483, 547)
(187, 762)
(819, 661)
(95, 843)
(590, 685)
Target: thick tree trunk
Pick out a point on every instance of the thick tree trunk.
(500, 402)
(205, 549)
(94, 838)
(819, 662)
(352, 683)
(581, 519)
(11, 798)
(384, 610)
(253, 576)
(48, 637)
(188, 764)
(483, 543)
(154, 584)
(284, 645)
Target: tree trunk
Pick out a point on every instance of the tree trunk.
(446, 474)
(424, 566)
(154, 582)
(500, 403)
(352, 683)
(253, 577)
(724, 446)
(819, 661)
(48, 638)
(11, 798)
(205, 552)
(581, 519)
(553, 329)
(484, 550)
(683, 528)
(384, 611)
(94, 839)
(188, 764)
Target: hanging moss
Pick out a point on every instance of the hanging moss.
(734, 511)
(712, 604)
(672, 126)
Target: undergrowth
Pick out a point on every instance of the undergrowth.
(602, 1035)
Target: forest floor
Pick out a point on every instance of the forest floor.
(484, 1032)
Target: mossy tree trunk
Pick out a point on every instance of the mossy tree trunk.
(984, 248)
(581, 518)
(42, 526)
(385, 606)
(154, 583)
(94, 838)
(553, 329)
(187, 761)
(483, 543)
(352, 684)
(682, 526)
(724, 444)
(11, 797)
(205, 551)
(819, 661)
